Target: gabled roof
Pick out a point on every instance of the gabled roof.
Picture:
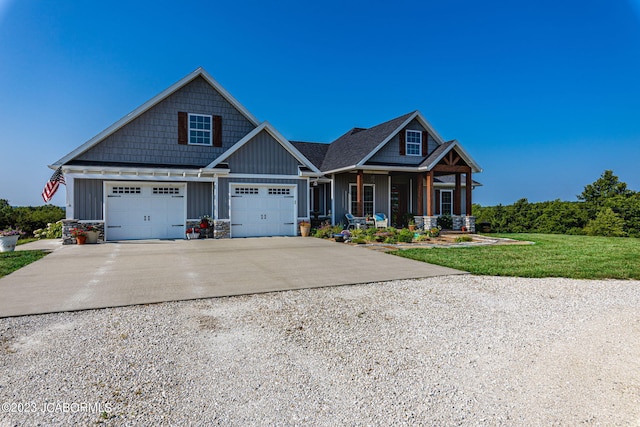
(439, 153)
(199, 72)
(266, 126)
(355, 147)
(356, 144)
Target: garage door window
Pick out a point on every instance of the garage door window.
(246, 190)
(279, 191)
(125, 190)
(166, 190)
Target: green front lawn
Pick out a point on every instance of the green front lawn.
(12, 261)
(553, 255)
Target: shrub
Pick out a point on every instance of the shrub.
(423, 238)
(445, 221)
(405, 236)
(461, 239)
(606, 223)
(326, 231)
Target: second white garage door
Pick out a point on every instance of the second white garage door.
(259, 210)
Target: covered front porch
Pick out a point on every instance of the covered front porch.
(421, 194)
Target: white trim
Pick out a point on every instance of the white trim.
(215, 198)
(262, 176)
(199, 72)
(189, 129)
(442, 210)
(266, 126)
(461, 151)
(70, 188)
(406, 142)
(349, 200)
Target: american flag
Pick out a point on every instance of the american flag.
(52, 185)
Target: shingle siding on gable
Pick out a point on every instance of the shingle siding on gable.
(391, 154)
(153, 137)
(263, 155)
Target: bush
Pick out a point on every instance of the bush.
(606, 223)
(405, 236)
(445, 222)
(461, 239)
(327, 230)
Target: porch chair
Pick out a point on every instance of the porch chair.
(381, 220)
(352, 221)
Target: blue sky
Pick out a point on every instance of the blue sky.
(544, 95)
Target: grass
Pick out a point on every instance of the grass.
(12, 261)
(552, 255)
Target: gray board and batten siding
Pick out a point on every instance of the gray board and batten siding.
(390, 153)
(380, 195)
(153, 136)
(263, 155)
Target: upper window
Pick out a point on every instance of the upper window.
(414, 143)
(200, 129)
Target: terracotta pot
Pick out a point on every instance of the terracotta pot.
(81, 240)
(412, 228)
(305, 230)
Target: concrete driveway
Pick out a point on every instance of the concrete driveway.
(139, 272)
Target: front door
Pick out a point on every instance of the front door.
(399, 205)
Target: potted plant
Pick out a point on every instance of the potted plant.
(305, 228)
(92, 234)
(412, 224)
(8, 239)
(193, 233)
(205, 222)
(80, 235)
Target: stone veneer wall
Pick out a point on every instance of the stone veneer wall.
(221, 229)
(427, 222)
(69, 224)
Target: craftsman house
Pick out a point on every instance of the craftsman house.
(194, 151)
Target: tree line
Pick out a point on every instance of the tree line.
(606, 207)
(28, 218)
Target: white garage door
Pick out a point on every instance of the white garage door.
(262, 210)
(145, 211)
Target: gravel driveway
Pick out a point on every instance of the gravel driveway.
(455, 350)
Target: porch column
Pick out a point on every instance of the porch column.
(457, 196)
(420, 189)
(469, 184)
(430, 201)
(360, 193)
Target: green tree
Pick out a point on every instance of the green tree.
(6, 214)
(606, 223)
(605, 187)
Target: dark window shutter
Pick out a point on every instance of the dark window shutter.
(183, 137)
(403, 144)
(425, 142)
(437, 212)
(217, 131)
